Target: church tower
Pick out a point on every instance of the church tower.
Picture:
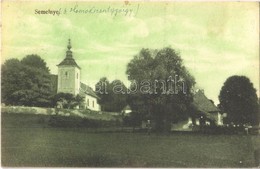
(68, 74)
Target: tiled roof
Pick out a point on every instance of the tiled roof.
(203, 104)
(68, 62)
(86, 90)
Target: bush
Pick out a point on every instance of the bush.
(134, 119)
(220, 129)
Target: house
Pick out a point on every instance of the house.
(69, 81)
(127, 109)
(205, 113)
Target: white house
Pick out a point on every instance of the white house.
(69, 81)
(127, 109)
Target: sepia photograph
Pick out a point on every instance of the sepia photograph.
(130, 84)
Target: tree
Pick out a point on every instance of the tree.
(24, 83)
(239, 100)
(162, 86)
(68, 100)
(79, 100)
(36, 62)
(134, 119)
(101, 89)
(118, 100)
(112, 95)
(12, 77)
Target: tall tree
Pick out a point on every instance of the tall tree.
(35, 61)
(101, 89)
(112, 95)
(25, 83)
(12, 78)
(239, 100)
(161, 86)
(119, 96)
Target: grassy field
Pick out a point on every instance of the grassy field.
(26, 145)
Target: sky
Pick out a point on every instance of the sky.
(215, 39)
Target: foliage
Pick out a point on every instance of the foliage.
(134, 119)
(239, 100)
(112, 95)
(67, 100)
(164, 103)
(36, 62)
(26, 83)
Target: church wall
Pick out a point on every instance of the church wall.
(68, 80)
(77, 80)
(91, 103)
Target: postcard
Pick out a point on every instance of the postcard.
(130, 84)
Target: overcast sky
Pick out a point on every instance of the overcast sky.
(215, 40)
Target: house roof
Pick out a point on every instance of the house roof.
(203, 104)
(86, 90)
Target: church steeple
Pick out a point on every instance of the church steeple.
(69, 45)
(69, 60)
(68, 74)
(69, 52)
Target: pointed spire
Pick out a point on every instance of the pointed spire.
(69, 52)
(69, 60)
(69, 45)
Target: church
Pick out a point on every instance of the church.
(68, 81)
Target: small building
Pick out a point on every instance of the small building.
(127, 109)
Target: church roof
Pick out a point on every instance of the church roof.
(69, 60)
(86, 90)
